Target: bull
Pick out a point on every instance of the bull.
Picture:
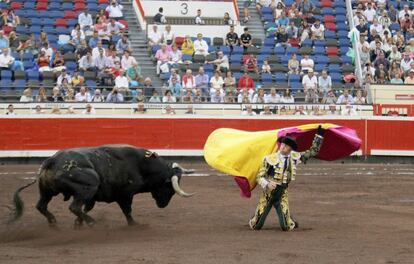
(110, 173)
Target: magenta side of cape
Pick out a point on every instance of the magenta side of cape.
(339, 142)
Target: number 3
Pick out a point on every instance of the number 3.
(184, 11)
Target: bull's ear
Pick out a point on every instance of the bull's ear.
(150, 154)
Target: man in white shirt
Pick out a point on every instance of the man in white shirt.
(95, 51)
(85, 20)
(318, 30)
(62, 76)
(89, 110)
(273, 97)
(345, 98)
(370, 13)
(115, 10)
(115, 28)
(82, 96)
(6, 60)
(104, 34)
(377, 26)
(200, 45)
(310, 86)
(406, 62)
(307, 63)
(121, 83)
(402, 13)
(198, 19)
(154, 37)
(222, 62)
(127, 60)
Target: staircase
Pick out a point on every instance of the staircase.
(254, 24)
(137, 36)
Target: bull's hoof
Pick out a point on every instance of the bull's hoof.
(78, 224)
(90, 223)
(132, 223)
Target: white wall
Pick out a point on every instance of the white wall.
(193, 30)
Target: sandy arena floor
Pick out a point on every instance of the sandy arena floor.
(360, 213)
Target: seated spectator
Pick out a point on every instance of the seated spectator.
(395, 55)
(329, 98)
(318, 30)
(406, 63)
(245, 96)
(10, 110)
(287, 98)
(381, 75)
(115, 10)
(14, 41)
(139, 97)
(282, 21)
(306, 7)
(100, 61)
(163, 57)
(410, 78)
(83, 95)
(216, 83)
(187, 48)
(394, 69)
(176, 88)
(377, 27)
(362, 28)
(266, 67)
(217, 96)
(168, 97)
(293, 64)
(187, 97)
(300, 110)
(154, 98)
(77, 29)
(245, 81)
(382, 60)
(38, 110)
(154, 37)
(307, 63)
(232, 39)
(245, 39)
(122, 83)
(345, 98)
(115, 28)
(168, 36)
(250, 63)
(63, 75)
(101, 16)
(202, 81)
(249, 111)
(273, 97)
(230, 97)
(27, 96)
(97, 49)
(310, 87)
(11, 19)
(281, 37)
(56, 96)
(188, 81)
(134, 74)
(316, 111)
(86, 63)
(82, 50)
(7, 62)
(227, 19)
(70, 96)
(104, 34)
(292, 31)
(359, 99)
(70, 110)
(85, 20)
(147, 87)
(221, 63)
(174, 74)
(41, 95)
(168, 110)
(58, 62)
(123, 44)
(159, 18)
(229, 83)
(200, 46)
(198, 19)
(176, 55)
(77, 79)
(348, 110)
(324, 82)
(56, 110)
(365, 55)
(266, 111)
(93, 41)
(140, 109)
(43, 62)
(370, 13)
(114, 96)
(397, 79)
(98, 97)
(127, 60)
(89, 110)
(112, 60)
(278, 8)
(260, 97)
(332, 110)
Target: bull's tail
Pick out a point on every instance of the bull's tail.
(18, 204)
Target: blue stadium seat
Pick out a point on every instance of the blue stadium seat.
(319, 43)
(186, 57)
(269, 42)
(67, 6)
(266, 78)
(93, 7)
(319, 50)
(28, 65)
(321, 59)
(29, 5)
(225, 49)
(279, 50)
(307, 43)
(320, 67)
(21, 30)
(71, 66)
(6, 75)
(19, 84)
(340, 11)
(54, 6)
(294, 78)
(32, 75)
(72, 22)
(336, 77)
(48, 22)
(280, 77)
(237, 50)
(340, 18)
(295, 86)
(266, 50)
(291, 50)
(236, 58)
(35, 29)
(6, 84)
(91, 84)
(334, 68)
(330, 34)
(28, 56)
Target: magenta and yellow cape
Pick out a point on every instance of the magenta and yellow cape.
(240, 153)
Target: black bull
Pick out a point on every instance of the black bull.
(112, 173)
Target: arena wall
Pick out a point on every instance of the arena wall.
(180, 135)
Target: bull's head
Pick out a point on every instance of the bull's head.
(171, 186)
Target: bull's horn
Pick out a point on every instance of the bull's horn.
(185, 171)
(177, 188)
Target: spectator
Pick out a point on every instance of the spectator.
(56, 110)
(174, 74)
(260, 97)
(168, 110)
(281, 37)
(43, 62)
(140, 109)
(202, 81)
(101, 16)
(310, 87)
(70, 96)
(329, 98)
(154, 37)
(227, 19)
(139, 96)
(250, 63)
(245, 81)
(115, 28)
(98, 97)
(221, 63)
(246, 39)
(266, 67)
(200, 45)
(362, 28)
(134, 74)
(26, 96)
(382, 60)
(38, 110)
(100, 61)
(190, 110)
(176, 88)
(370, 13)
(287, 98)
(232, 39)
(246, 5)
(217, 96)
(345, 98)
(278, 8)
(83, 95)
(198, 19)
(56, 96)
(76, 30)
(266, 111)
(394, 69)
(397, 79)
(273, 97)
(127, 60)
(348, 110)
(11, 19)
(318, 30)
(176, 56)
(332, 110)
(114, 96)
(86, 63)
(112, 60)
(406, 11)
(168, 97)
(168, 36)
(115, 10)
(395, 55)
(316, 111)
(364, 55)
(96, 51)
(188, 81)
(154, 98)
(293, 64)
(163, 57)
(292, 31)
(10, 110)
(148, 88)
(187, 48)
(377, 27)
(4, 42)
(216, 83)
(85, 20)
(122, 83)
(89, 110)
(41, 95)
(159, 18)
(93, 41)
(230, 83)
(307, 63)
(282, 20)
(9, 63)
(249, 111)
(14, 41)
(406, 63)
(324, 82)
(381, 75)
(359, 99)
(410, 78)
(300, 110)
(63, 75)
(104, 35)
(306, 6)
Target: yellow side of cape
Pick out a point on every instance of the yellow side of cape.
(240, 153)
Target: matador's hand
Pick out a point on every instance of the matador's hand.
(271, 185)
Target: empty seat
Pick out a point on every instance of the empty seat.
(33, 75)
